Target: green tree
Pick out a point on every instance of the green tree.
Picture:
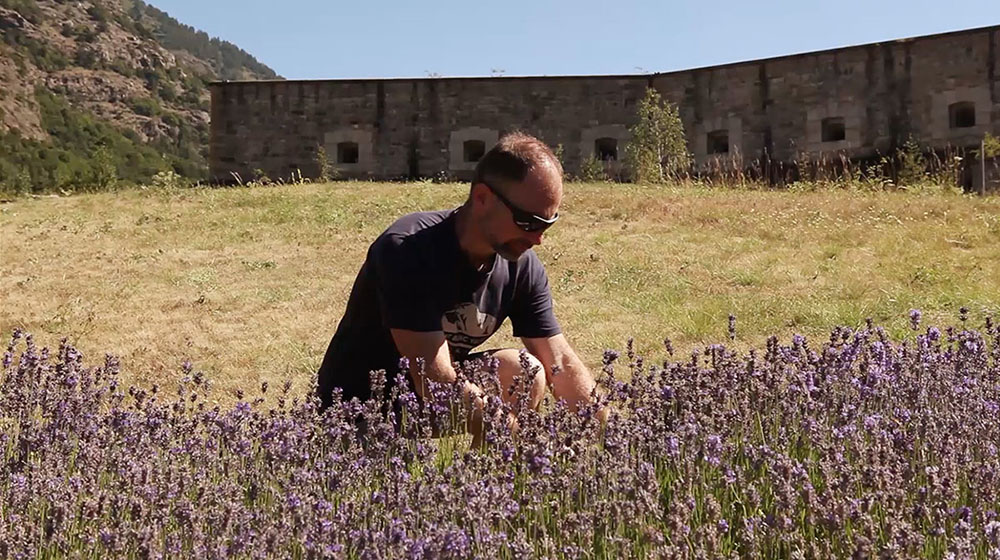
(592, 170)
(912, 164)
(326, 170)
(658, 148)
(991, 145)
(559, 152)
(105, 172)
(146, 106)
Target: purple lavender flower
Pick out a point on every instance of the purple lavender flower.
(732, 456)
(668, 345)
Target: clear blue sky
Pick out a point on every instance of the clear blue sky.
(315, 39)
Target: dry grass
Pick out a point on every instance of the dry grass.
(249, 284)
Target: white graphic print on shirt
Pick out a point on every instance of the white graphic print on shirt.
(466, 326)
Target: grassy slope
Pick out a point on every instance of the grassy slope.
(250, 283)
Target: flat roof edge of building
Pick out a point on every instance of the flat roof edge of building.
(646, 76)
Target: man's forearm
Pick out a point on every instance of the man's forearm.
(440, 372)
(573, 382)
(443, 372)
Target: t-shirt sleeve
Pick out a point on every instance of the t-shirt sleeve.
(531, 313)
(405, 295)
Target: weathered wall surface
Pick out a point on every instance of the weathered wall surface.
(860, 101)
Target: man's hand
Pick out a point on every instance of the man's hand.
(474, 401)
(602, 415)
(573, 381)
(477, 411)
(433, 348)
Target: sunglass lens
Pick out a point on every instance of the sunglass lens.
(534, 226)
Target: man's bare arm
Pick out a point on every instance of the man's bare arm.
(574, 382)
(433, 348)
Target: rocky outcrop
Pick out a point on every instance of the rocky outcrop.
(9, 19)
(93, 86)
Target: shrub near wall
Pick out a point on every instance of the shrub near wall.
(658, 150)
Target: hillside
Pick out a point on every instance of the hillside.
(96, 91)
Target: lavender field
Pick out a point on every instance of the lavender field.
(859, 445)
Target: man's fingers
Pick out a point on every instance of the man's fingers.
(512, 424)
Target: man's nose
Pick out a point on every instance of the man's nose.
(535, 237)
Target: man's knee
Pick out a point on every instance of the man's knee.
(512, 371)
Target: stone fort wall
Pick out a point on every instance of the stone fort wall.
(860, 101)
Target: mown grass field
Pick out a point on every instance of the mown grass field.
(250, 283)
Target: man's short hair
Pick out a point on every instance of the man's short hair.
(513, 156)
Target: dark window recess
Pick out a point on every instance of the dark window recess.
(718, 142)
(347, 152)
(606, 149)
(962, 114)
(473, 150)
(833, 130)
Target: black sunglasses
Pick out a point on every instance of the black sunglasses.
(522, 218)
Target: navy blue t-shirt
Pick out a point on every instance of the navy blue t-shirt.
(417, 278)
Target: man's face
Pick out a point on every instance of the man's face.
(540, 194)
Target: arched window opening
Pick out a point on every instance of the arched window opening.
(347, 152)
(606, 149)
(718, 142)
(962, 114)
(833, 129)
(473, 150)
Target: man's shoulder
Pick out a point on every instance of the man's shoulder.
(411, 233)
(529, 261)
(416, 222)
(528, 273)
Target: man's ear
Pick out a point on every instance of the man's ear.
(479, 195)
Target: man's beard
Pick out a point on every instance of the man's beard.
(511, 250)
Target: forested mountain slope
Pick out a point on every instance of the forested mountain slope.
(99, 90)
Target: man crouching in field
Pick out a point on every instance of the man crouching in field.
(435, 285)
